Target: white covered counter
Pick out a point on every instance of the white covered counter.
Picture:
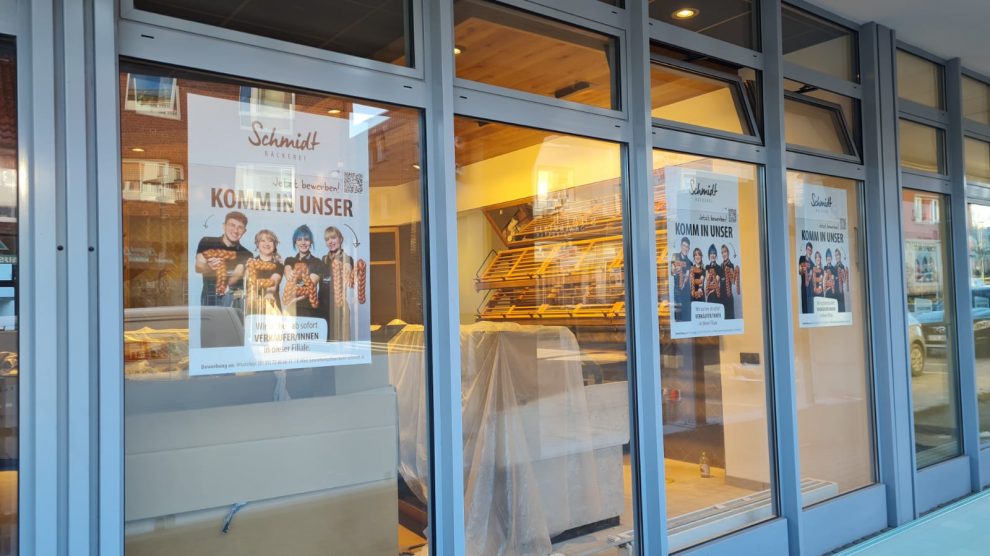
(542, 451)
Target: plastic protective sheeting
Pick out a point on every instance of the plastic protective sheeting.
(529, 448)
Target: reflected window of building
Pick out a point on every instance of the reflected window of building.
(931, 326)
(273, 319)
(714, 373)
(977, 162)
(976, 100)
(920, 81)
(700, 98)
(375, 30)
(732, 21)
(819, 44)
(830, 309)
(816, 125)
(543, 341)
(9, 308)
(922, 147)
(506, 47)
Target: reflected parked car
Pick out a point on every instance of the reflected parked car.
(918, 351)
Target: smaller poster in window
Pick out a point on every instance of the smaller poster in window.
(822, 256)
(705, 290)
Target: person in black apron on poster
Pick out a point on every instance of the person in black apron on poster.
(841, 281)
(805, 270)
(730, 273)
(680, 267)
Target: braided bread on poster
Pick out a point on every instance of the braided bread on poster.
(697, 282)
(843, 279)
(362, 280)
(711, 283)
(816, 280)
(337, 268)
(829, 282)
(256, 266)
(224, 255)
(301, 286)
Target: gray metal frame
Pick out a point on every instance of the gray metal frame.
(71, 398)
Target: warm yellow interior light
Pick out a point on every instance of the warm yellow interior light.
(333, 111)
(458, 50)
(685, 13)
(137, 150)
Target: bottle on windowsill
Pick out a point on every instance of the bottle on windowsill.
(704, 467)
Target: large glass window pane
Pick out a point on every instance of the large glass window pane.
(830, 309)
(377, 29)
(714, 360)
(818, 44)
(510, 48)
(816, 124)
(931, 325)
(979, 265)
(976, 100)
(919, 80)
(273, 346)
(697, 99)
(9, 416)
(977, 162)
(543, 342)
(728, 20)
(921, 147)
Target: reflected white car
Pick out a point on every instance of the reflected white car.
(917, 350)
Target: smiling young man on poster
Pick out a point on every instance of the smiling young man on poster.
(220, 260)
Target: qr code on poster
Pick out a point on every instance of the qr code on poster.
(353, 182)
(732, 216)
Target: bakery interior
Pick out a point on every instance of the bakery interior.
(310, 458)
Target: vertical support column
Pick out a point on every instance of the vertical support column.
(956, 163)
(784, 439)
(41, 505)
(109, 285)
(643, 334)
(442, 315)
(891, 368)
(80, 305)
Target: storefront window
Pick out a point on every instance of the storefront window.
(818, 44)
(977, 162)
(510, 48)
(732, 21)
(375, 30)
(273, 320)
(830, 310)
(919, 80)
(9, 309)
(979, 266)
(931, 325)
(543, 342)
(714, 373)
(976, 100)
(922, 148)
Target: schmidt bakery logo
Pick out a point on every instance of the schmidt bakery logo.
(823, 202)
(279, 146)
(701, 190)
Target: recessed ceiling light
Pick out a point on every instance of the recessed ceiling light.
(137, 150)
(458, 50)
(416, 166)
(686, 13)
(333, 111)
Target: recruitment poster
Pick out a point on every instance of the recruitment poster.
(704, 255)
(278, 237)
(822, 256)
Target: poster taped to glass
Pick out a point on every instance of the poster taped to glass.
(704, 256)
(821, 255)
(278, 232)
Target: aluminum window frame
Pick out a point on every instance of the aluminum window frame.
(816, 77)
(414, 30)
(739, 98)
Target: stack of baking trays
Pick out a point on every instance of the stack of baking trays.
(566, 266)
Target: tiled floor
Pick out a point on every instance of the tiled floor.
(957, 530)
